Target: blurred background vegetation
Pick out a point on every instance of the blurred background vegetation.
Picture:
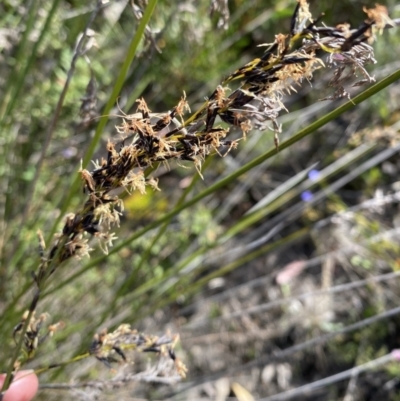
(258, 276)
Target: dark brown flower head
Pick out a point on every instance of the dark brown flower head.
(112, 347)
(35, 333)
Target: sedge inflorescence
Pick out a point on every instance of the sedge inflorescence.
(147, 138)
(112, 347)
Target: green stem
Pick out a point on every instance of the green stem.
(65, 363)
(191, 289)
(10, 370)
(15, 80)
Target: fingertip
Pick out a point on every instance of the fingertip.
(23, 388)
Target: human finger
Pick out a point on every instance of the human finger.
(23, 388)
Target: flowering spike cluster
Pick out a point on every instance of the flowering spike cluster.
(34, 335)
(111, 347)
(148, 138)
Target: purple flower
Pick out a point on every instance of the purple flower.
(69, 152)
(314, 175)
(306, 196)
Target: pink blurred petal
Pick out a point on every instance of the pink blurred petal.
(290, 271)
(396, 354)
